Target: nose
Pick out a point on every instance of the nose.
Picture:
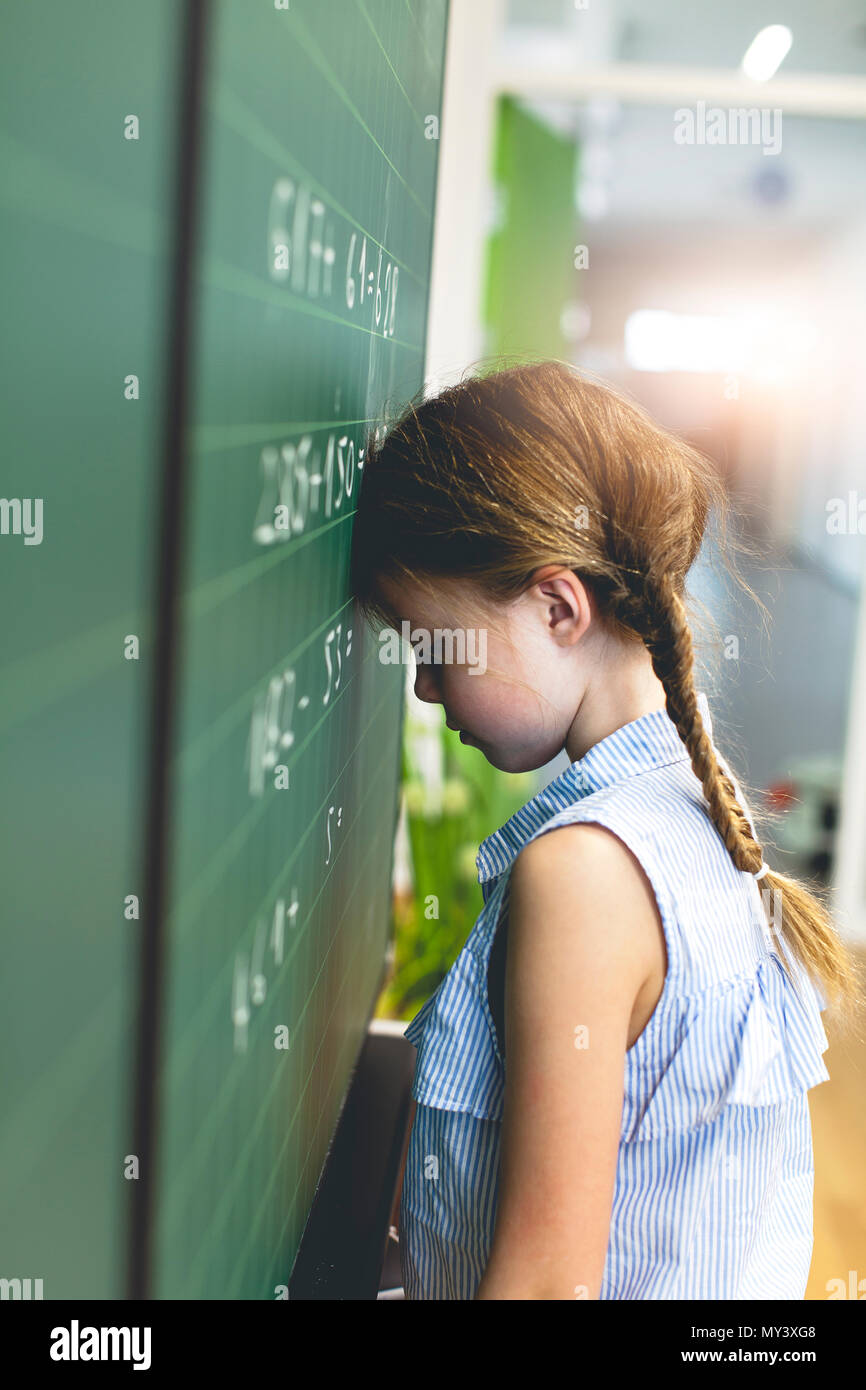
(426, 685)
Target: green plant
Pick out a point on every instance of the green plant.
(431, 923)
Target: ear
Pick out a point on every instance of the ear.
(566, 604)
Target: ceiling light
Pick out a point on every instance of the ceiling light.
(766, 51)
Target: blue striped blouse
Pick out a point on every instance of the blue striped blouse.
(714, 1180)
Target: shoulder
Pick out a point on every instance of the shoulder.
(580, 890)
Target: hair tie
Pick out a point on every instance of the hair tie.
(764, 869)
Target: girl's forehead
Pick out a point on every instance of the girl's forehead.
(408, 598)
(396, 595)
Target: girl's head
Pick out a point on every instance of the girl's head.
(553, 517)
(557, 517)
(522, 678)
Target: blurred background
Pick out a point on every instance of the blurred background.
(674, 200)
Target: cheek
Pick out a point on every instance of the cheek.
(484, 704)
(457, 692)
(462, 695)
(514, 711)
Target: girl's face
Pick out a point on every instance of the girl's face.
(516, 691)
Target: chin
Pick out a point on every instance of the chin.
(516, 762)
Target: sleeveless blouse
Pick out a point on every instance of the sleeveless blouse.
(714, 1179)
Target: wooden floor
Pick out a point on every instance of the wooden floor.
(838, 1108)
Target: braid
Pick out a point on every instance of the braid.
(669, 641)
(804, 922)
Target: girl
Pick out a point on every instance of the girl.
(611, 1081)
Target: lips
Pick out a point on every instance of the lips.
(455, 729)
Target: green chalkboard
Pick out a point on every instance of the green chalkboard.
(84, 281)
(209, 307)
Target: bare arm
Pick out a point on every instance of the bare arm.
(581, 933)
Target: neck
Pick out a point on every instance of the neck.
(613, 698)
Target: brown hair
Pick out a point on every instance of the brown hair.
(536, 464)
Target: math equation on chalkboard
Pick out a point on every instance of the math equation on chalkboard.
(278, 707)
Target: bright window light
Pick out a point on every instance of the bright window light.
(657, 340)
(766, 51)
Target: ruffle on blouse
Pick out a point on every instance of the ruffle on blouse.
(458, 1065)
(755, 1041)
